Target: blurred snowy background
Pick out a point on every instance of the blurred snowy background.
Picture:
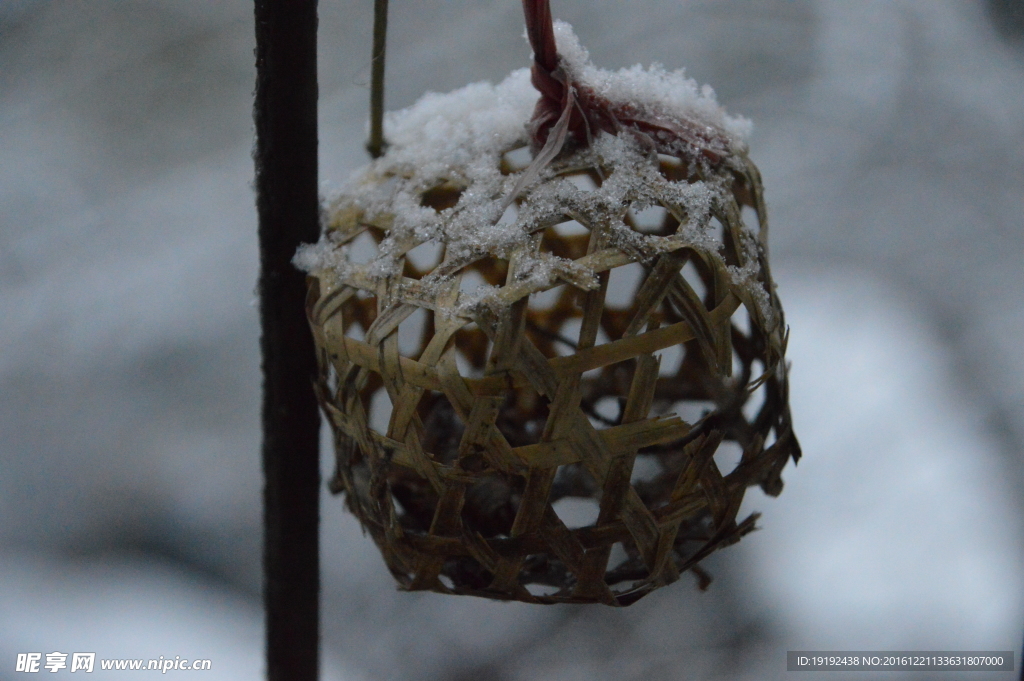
(891, 138)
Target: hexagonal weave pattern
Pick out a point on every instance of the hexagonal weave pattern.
(572, 415)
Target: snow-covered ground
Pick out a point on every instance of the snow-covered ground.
(891, 138)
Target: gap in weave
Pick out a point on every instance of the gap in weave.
(443, 196)
(729, 245)
(570, 228)
(612, 382)
(617, 555)
(750, 219)
(332, 381)
(389, 184)
(567, 240)
(491, 501)
(623, 283)
(442, 427)
(577, 512)
(362, 249)
(671, 360)
(415, 496)
(522, 417)
(510, 215)
(728, 456)
(655, 472)
(466, 369)
(546, 300)
(466, 572)
(569, 331)
(692, 276)
(493, 270)
(542, 589)
(366, 384)
(692, 411)
(411, 332)
(359, 312)
(718, 231)
(670, 226)
(693, 532)
(607, 412)
(625, 564)
(355, 331)
(614, 321)
(428, 331)
(473, 346)
(737, 364)
(755, 401)
(472, 283)
(547, 331)
(399, 508)
(650, 220)
(446, 581)
(646, 468)
(582, 181)
(771, 438)
(741, 320)
(379, 413)
(660, 406)
(573, 480)
(542, 568)
(424, 258)
(672, 168)
(516, 160)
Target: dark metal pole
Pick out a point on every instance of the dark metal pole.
(287, 201)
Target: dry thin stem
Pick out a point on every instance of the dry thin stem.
(376, 145)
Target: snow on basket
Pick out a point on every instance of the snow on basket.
(552, 374)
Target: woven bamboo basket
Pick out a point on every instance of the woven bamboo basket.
(567, 405)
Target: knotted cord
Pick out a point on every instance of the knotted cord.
(588, 112)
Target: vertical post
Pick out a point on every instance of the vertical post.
(287, 202)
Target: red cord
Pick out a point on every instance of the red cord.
(590, 112)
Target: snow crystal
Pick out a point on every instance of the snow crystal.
(462, 131)
(653, 88)
(325, 256)
(457, 140)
